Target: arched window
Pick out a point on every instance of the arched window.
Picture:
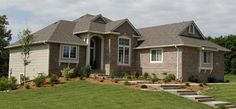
(124, 45)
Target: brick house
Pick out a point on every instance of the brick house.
(106, 45)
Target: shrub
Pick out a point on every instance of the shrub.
(211, 79)
(227, 81)
(126, 83)
(201, 85)
(187, 84)
(22, 78)
(154, 78)
(164, 73)
(4, 83)
(12, 83)
(137, 74)
(86, 71)
(54, 79)
(143, 86)
(68, 73)
(27, 86)
(39, 80)
(8, 84)
(145, 75)
(169, 78)
(127, 76)
(194, 78)
(204, 83)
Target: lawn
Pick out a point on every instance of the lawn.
(225, 92)
(85, 95)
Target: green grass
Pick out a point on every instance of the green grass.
(85, 95)
(226, 92)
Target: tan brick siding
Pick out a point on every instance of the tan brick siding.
(169, 62)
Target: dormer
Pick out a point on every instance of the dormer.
(99, 19)
(192, 31)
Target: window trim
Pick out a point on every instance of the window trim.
(211, 57)
(129, 46)
(150, 55)
(70, 46)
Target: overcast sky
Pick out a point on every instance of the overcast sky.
(214, 17)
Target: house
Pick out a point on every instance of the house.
(179, 48)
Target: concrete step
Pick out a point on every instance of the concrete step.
(187, 93)
(205, 99)
(230, 106)
(170, 88)
(170, 85)
(217, 103)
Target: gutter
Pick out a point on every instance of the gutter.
(177, 62)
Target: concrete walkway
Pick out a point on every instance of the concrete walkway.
(192, 95)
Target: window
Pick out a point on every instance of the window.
(207, 56)
(191, 29)
(156, 55)
(69, 52)
(124, 51)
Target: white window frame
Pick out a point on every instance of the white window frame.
(161, 61)
(189, 30)
(211, 57)
(124, 46)
(70, 46)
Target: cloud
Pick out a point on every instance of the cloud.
(214, 17)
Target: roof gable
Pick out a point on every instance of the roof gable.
(126, 21)
(192, 31)
(99, 19)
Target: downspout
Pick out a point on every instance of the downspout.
(177, 62)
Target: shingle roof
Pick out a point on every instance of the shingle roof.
(170, 35)
(58, 32)
(63, 31)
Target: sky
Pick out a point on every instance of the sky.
(213, 17)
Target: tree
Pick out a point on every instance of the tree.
(5, 38)
(25, 39)
(229, 42)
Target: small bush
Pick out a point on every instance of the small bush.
(204, 83)
(187, 84)
(164, 73)
(86, 71)
(154, 78)
(194, 78)
(169, 78)
(227, 81)
(115, 80)
(4, 83)
(145, 75)
(201, 85)
(23, 78)
(68, 73)
(143, 86)
(8, 84)
(126, 83)
(54, 79)
(27, 86)
(137, 74)
(12, 83)
(39, 80)
(127, 76)
(211, 79)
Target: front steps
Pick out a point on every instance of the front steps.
(192, 95)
